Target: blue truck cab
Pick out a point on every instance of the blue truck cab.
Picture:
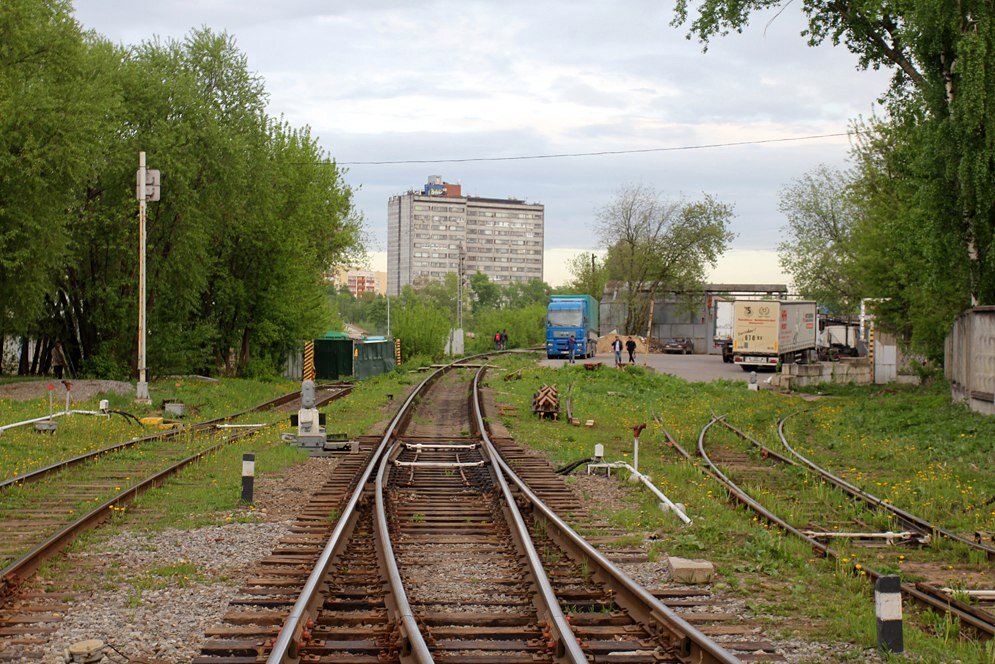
(576, 315)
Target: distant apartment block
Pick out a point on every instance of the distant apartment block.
(427, 230)
(358, 282)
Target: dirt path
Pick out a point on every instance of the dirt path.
(82, 390)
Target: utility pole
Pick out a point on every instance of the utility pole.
(147, 189)
(459, 289)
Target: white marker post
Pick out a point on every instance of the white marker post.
(888, 609)
(248, 476)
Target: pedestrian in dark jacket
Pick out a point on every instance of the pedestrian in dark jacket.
(630, 346)
(571, 348)
(617, 348)
(504, 339)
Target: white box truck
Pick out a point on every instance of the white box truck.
(723, 327)
(768, 332)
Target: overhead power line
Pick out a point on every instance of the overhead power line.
(600, 153)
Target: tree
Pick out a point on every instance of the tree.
(589, 275)
(421, 326)
(486, 294)
(54, 98)
(656, 245)
(942, 98)
(818, 251)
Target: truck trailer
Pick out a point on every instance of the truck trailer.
(769, 332)
(576, 315)
(723, 316)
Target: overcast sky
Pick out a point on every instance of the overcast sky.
(388, 80)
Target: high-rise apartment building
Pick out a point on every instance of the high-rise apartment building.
(428, 229)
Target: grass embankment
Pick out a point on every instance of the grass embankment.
(23, 450)
(878, 437)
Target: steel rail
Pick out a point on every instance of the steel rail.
(287, 646)
(874, 501)
(686, 641)
(413, 647)
(566, 648)
(20, 569)
(14, 574)
(923, 593)
(41, 473)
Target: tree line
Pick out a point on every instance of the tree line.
(253, 210)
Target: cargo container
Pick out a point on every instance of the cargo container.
(576, 315)
(724, 314)
(769, 332)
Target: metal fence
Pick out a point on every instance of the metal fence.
(969, 359)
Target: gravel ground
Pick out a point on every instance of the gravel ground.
(153, 595)
(82, 390)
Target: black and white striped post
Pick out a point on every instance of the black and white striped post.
(248, 475)
(888, 609)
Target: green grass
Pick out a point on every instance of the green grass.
(23, 450)
(873, 435)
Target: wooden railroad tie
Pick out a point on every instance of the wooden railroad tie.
(546, 403)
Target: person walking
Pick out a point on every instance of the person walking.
(630, 346)
(504, 339)
(497, 340)
(58, 360)
(617, 347)
(571, 347)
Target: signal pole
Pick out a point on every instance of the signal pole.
(147, 189)
(142, 390)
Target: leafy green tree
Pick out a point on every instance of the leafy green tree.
(589, 276)
(252, 213)
(486, 294)
(521, 294)
(913, 270)
(54, 97)
(422, 327)
(818, 249)
(656, 245)
(942, 157)
(526, 326)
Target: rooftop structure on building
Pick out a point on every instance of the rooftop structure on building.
(430, 232)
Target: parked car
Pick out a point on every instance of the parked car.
(681, 345)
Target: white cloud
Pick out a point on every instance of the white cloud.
(388, 80)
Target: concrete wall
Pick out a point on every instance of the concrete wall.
(670, 319)
(855, 370)
(969, 359)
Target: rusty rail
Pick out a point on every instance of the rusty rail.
(12, 576)
(923, 593)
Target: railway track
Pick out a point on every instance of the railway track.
(864, 531)
(435, 549)
(42, 511)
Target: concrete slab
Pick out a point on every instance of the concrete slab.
(694, 368)
(684, 570)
